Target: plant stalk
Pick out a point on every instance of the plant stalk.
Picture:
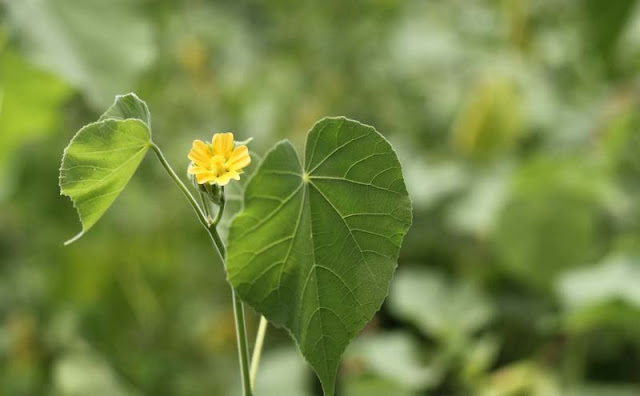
(205, 206)
(257, 349)
(238, 308)
(238, 313)
(223, 202)
(194, 204)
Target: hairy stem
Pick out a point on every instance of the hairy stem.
(257, 349)
(238, 308)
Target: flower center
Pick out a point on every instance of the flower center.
(218, 165)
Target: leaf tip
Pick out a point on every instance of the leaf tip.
(75, 238)
(122, 96)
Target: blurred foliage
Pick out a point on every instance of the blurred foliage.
(518, 126)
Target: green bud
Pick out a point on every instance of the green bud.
(213, 192)
(199, 187)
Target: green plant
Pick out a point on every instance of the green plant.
(315, 245)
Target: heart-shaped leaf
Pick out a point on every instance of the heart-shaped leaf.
(315, 248)
(101, 158)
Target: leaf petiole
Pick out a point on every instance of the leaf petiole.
(194, 204)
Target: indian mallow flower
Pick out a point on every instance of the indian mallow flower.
(218, 162)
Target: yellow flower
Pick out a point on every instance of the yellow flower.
(219, 162)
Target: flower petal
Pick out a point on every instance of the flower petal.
(233, 175)
(223, 179)
(222, 144)
(200, 153)
(205, 177)
(196, 170)
(239, 158)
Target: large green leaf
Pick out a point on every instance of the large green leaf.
(103, 156)
(315, 248)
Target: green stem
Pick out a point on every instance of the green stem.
(238, 309)
(238, 312)
(201, 216)
(223, 201)
(205, 205)
(257, 349)
(243, 344)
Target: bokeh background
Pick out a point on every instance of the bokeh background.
(518, 126)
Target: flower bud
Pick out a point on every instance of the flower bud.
(213, 192)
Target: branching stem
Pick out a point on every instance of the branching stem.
(238, 308)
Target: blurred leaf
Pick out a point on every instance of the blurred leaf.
(478, 211)
(607, 21)
(392, 357)
(442, 309)
(30, 107)
(314, 249)
(430, 182)
(628, 43)
(283, 372)
(479, 355)
(523, 378)
(603, 296)
(375, 386)
(548, 224)
(82, 372)
(621, 142)
(102, 157)
(603, 390)
(98, 46)
(490, 122)
(616, 278)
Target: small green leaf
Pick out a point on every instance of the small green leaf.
(315, 248)
(102, 157)
(128, 106)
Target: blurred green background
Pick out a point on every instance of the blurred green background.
(518, 126)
